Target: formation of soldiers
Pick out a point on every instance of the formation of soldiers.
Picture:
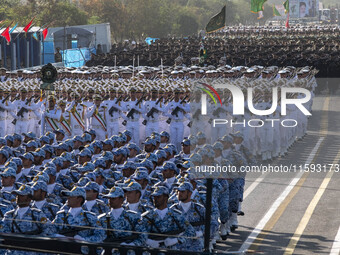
(297, 46)
(110, 155)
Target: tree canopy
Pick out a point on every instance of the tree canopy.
(132, 18)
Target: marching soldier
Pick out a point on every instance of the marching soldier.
(21, 117)
(39, 196)
(64, 120)
(75, 223)
(153, 112)
(166, 227)
(194, 213)
(92, 202)
(5, 106)
(97, 115)
(77, 114)
(10, 127)
(134, 108)
(114, 111)
(3, 76)
(133, 192)
(24, 219)
(50, 117)
(176, 110)
(124, 222)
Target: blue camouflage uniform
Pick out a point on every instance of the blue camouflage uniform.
(196, 216)
(128, 222)
(65, 223)
(173, 227)
(98, 207)
(142, 205)
(49, 209)
(32, 221)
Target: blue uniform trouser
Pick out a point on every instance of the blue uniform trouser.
(223, 201)
(234, 194)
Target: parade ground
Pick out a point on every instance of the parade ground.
(296, 213)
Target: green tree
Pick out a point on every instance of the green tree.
(188, 25)
(63, 13)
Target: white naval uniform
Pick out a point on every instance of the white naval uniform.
(152, 124)
(113, 121)
(50, 116)
(6, 106)
(88, 105)
(133, 123)
(10, 128)
(35, 118)
(163, 126)
(95, 124)
(176, 125)
(66, 116)
(77, 128)
(22, 123)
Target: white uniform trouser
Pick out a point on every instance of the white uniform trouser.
(151, 126)
(2, 128)
(163, 126)
(21, 126)
(34, 126)
(176, 133)
(100, 132)
(133, 127)
(141, 130)
(10, 128)
(77, 130)
(113, 127)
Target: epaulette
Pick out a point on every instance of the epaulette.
(10, 212)
(199, 205)
(176, 210)
(35, 209)
(100, 202)
(145, 213)
(133, 212)
(53, 205)
(61, 211)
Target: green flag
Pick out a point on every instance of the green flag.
(275, 11)
(257, 5)
(217, 22)
(286, 5)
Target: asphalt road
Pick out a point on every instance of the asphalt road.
(296, 212)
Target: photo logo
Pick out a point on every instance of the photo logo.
(239, 101)
(209, 93)
(281, 101)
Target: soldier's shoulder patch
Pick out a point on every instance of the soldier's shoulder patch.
(43, 220)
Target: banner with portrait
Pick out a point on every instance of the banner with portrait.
(304, 8)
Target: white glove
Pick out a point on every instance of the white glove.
(79, 238)
(199, 233)
(170, 241)
(130, 244)
(152, 243)
(57, 235)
